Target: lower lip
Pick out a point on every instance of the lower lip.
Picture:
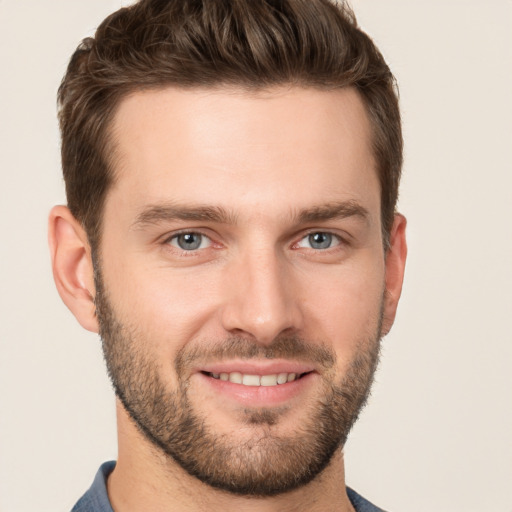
(259, 396)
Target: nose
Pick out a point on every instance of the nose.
(263, 299)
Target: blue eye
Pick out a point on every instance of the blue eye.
(319, 240)
(190, 241)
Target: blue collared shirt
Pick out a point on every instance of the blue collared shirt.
(96, 498)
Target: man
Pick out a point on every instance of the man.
(232, 172)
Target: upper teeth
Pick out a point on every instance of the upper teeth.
(256, 380)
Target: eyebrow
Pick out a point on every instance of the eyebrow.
(156, 214)
(333, 211)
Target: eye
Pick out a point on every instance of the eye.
(190, 241)
(319, 240)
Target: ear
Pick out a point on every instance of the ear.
(72, 266)
(395, 267)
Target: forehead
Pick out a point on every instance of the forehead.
(286, 146)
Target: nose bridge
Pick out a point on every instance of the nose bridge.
(262, 301)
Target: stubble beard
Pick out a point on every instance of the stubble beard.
(263, 464)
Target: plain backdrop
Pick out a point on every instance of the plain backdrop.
(436, 435)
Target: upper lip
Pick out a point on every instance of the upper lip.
(257, 367)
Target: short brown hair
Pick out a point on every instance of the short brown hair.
(200, 43)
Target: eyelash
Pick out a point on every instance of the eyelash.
(333, 237)
(340, 241)
(184, 252)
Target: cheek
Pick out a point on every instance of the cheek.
(346, 309)
(170, 307)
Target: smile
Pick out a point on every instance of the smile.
(256, 380)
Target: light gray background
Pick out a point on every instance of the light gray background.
(437, 433)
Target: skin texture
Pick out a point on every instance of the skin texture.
(265, 170)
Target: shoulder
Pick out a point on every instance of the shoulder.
(361, 504)
(96, 498)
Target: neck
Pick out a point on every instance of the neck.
(146, 479)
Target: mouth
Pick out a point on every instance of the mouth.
(257, 383)
(254, 380)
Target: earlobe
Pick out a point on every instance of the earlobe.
(395, 268)
(72, 266)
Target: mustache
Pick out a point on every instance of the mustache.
(283, 347)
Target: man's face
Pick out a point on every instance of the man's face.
(241, 279)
